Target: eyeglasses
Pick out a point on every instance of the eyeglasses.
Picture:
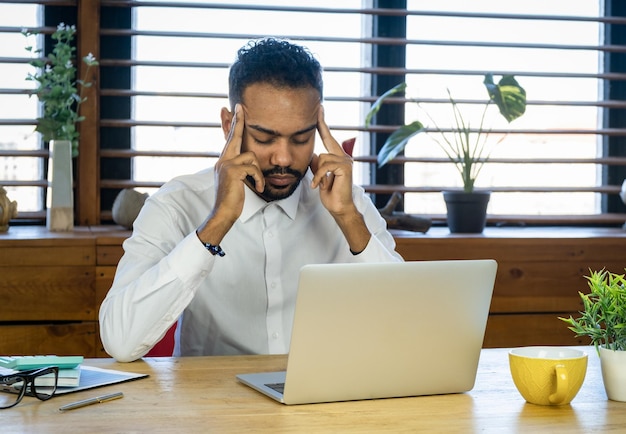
(40, 383)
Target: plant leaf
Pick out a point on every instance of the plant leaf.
(379, 102)
(603, 318)
(397, 142)
(508, 95)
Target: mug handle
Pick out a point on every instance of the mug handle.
(562, 384)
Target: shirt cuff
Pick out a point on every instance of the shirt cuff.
(376, 251)
(190, 260)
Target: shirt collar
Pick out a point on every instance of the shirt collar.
(253, 203)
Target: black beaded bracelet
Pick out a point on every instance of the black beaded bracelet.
(215, 250)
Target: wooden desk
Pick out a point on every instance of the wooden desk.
(201, 394)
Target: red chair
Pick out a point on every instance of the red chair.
(165, 347)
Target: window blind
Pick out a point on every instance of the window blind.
(162, 81)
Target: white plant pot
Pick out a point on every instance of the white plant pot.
(613, 365)
(60, 199)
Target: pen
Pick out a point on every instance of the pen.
(95, 400)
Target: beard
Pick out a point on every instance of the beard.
(271, 192)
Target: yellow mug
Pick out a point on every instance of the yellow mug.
(548, 375)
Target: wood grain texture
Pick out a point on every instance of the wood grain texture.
(51, 277)
(109, 254)
(87, 187)
(48, 256)
(43, 338)
(504, 330)
(201, 394)
(48, 293)
(104, 280)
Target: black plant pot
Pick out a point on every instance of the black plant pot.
(467, 212)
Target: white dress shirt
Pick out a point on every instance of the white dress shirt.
(241, 303)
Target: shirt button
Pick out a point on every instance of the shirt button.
(273, 285)
(275, 335)
(270, 234)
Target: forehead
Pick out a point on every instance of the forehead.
(283, 110)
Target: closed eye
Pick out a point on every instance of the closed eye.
(302, 139)
(267, 141)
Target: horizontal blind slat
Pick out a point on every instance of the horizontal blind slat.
(364, 40)
(363, 11)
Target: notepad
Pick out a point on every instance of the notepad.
(67, 378)
(92, 377)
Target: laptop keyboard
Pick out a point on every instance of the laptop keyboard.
(278, 387)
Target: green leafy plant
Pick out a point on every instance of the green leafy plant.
(603, 318)
(57, 87)
(464, 147)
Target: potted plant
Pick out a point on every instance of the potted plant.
(464, 146)
(603, 320)
(58, 88)
(58, 92)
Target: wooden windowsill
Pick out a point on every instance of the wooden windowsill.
(519, 232)
(111, 233)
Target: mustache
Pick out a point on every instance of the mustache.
(277, 170)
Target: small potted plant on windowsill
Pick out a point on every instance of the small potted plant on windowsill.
(58, 92)
(465, 147)
(603, 320)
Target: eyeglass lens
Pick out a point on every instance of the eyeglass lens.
(12, 391)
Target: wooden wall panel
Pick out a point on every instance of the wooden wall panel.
(108, 252)
(540, 272)
(529, 329)
(48, 255)
(104, 280)
(47, 293)
(52, 284)
(109, 255)
(60, 339)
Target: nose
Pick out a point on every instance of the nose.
(281, 154)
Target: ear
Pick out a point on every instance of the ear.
(227, 118)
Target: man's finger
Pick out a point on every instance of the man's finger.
(252, 168)
(329, 141)
(324, 168)
(314, 164)
(235, 135)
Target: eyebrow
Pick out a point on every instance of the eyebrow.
(276, 133)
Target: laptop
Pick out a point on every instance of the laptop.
(384, 330)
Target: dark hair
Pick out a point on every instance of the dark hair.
(276, 62)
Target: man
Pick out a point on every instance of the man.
(220, 250)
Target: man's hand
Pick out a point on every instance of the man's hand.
(231, 171)
(332, 174)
